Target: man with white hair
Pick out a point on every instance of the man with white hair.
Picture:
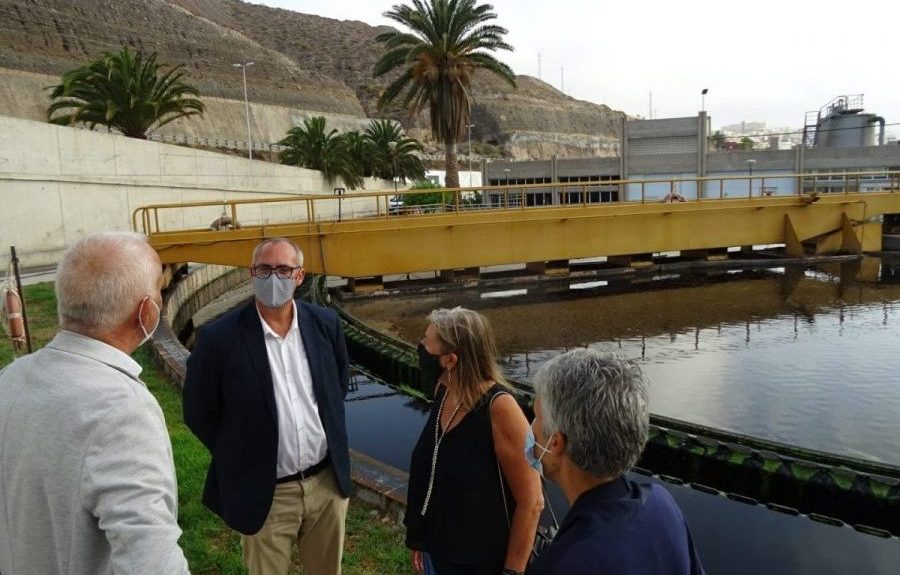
(87, 481)
(591, 423)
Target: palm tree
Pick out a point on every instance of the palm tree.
(392, 155)
(123, 91)
(309, 146)
(718, 140)
(448, 40)
(360, 151)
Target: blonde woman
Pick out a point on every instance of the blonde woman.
(473, 500)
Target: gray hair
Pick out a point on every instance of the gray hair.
(599, 403)
(102, 278)
(259, 247)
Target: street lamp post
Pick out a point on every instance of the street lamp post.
(750, 163)
(703, 99)
(506, 183)
(243, 66)
(470, 126)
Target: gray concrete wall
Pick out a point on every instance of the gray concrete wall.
(662, 137)
(494, 170)
(588, 167)
(734, 163)
(871, 157)
(662, 128)
(59, 184)
(685, 162)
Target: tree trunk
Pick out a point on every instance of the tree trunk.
(450, 165)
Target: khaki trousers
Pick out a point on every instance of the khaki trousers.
(310, 512)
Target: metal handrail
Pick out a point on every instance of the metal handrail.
(379, 204)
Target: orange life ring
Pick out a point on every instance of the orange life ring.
(12, 305)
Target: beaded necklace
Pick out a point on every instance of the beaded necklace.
(438, 437)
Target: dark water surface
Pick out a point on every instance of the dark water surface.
(732, 538)
(803, 356)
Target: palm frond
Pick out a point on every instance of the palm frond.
(124, 91)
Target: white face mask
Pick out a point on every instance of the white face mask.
(148, 333)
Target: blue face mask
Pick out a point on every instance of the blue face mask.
(530, 444)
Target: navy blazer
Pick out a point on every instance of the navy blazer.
(229, 404)
(625, 528)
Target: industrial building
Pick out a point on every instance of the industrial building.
(839, 137)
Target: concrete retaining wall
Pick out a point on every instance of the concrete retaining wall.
(59, 184)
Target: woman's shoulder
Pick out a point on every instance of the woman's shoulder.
(502, 403)
(499, 391)
(492, 391)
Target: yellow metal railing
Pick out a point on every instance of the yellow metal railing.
(386, 204)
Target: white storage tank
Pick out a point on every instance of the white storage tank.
(842, 124)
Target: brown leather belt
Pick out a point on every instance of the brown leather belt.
(306, 473)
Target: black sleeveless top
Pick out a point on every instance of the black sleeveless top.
(466, 522)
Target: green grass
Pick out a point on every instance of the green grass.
(40, 306)
(373, 546)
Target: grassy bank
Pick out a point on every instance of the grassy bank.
(40, 304)
(373, 546)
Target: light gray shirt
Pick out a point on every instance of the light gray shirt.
(87, 480)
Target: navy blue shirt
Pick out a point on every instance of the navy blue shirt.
(621, 528)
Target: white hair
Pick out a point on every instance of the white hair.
(599, 403)
(102, 278)
(259, 247)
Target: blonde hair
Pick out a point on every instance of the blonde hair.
(468, 334)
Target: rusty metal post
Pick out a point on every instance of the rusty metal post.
(15, 266)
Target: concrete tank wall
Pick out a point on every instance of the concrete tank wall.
(59, 184)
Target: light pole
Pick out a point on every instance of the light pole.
(506, 183)
(470, 126)
(703, 99)
(243, 66)
(750, 163)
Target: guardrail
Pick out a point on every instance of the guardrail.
(318, 208)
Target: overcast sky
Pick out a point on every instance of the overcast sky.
(765, 60)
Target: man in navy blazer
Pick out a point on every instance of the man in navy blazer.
(264, 392)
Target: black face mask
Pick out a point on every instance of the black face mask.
(429, 369)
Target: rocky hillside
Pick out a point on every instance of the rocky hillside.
(304, 65)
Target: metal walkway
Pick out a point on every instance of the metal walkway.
(372, 233)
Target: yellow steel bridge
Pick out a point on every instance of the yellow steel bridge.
(377, 233)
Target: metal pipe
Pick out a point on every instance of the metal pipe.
(880, 120)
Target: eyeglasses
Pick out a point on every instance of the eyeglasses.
(263, 271)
